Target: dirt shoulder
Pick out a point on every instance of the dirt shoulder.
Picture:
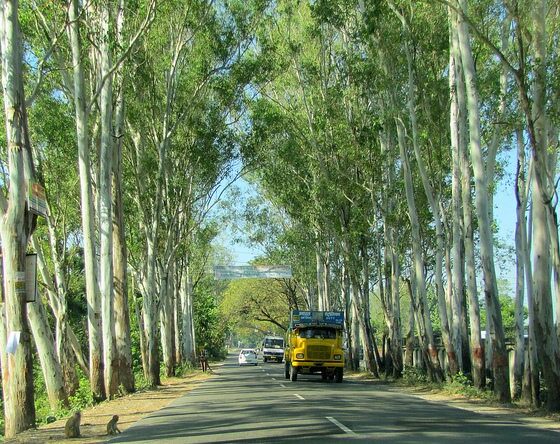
(130, 409)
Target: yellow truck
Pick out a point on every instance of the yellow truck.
(314, 345)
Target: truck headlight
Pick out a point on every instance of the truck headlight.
(337, 357)
(299, 355)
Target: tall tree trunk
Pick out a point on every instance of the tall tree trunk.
(392, 304)
(105, 205)
(141, 331)
(494, 316)
(545, 333)
(16, 224)
(86, 193)
(520, 195)
(44, 341)
(150, 315)
(456, 193)
(166, 322)
(476, 347)
(453, 353)
(188, 343)
(123, 353)
(321, 290)
(532, 369)
(177, 321)
(418, 277)
(409, 340)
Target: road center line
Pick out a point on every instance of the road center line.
(299, 396)
(341, 426)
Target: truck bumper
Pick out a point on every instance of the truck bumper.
(317, 365)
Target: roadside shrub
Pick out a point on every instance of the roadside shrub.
(83, 397)
(460, 384)
(414, 376)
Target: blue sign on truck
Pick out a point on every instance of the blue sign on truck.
(324, 318)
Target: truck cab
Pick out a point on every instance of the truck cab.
(314, 344)
(273, 348)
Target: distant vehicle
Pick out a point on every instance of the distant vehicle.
(273, 348)
(247, 356)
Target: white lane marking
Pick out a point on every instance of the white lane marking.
(274, 379)
(341, 426)
(299, 396)
(282, 385)
(268, 374)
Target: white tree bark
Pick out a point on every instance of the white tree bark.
(87, 207)
(16, 225)
(494, 316)
(44, 341)
(188, 337)
(177, 319)
(106, 204)
(417, 273)
(456, 193)
(391, 307)
(123, 354)
(520, 236)
(453, 353)
(166, 322)
(546, 337)
(476, 346)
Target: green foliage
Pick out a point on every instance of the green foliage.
(460, 384)
(210, 328)
(507, 305)
(83, 397)
(414, 376)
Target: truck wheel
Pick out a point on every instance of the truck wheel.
(264, 359)
(338, 375)
(324, 375)
(293, 373)
(287, 370)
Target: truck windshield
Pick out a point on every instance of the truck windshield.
(274, 343)
(318, 333)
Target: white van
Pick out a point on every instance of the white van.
(273, 348)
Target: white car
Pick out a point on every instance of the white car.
(247, 356)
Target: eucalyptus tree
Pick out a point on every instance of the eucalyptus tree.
(16, 225)
(463, 226)
(499, 362)
(123, 355)
(453, 349)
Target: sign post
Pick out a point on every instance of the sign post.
(222, 272)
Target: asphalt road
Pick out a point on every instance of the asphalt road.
(256, 404)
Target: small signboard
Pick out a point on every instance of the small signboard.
(31, 277)
(25, 281)
(36, 199)
(252, 271)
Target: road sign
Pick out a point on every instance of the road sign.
(252, 271)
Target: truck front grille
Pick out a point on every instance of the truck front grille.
(318, 352)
